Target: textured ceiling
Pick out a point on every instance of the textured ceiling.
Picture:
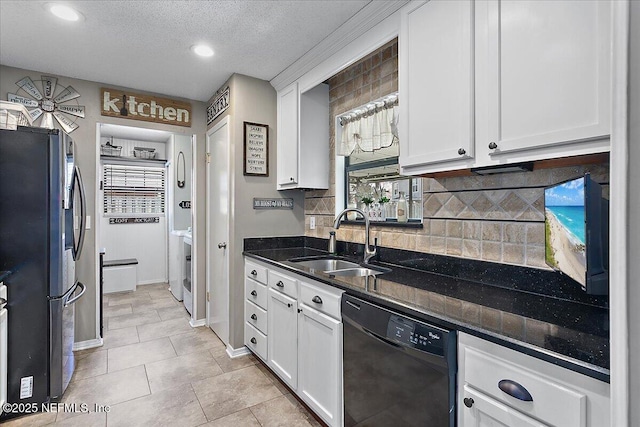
(145, 45)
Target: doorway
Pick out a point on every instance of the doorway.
(218, 242)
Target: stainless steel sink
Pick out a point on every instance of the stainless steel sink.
(326, 264)
(359, 271)
(338, 267)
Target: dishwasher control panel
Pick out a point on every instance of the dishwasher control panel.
(416, 335)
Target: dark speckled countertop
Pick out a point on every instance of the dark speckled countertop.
(537, 312)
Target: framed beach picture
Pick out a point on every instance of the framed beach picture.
(256, 149)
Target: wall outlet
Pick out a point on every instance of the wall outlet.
(312, 223)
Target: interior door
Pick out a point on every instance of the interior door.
(218, 245)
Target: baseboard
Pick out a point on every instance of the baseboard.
(84, 345)
(237, 352)
(197, 323)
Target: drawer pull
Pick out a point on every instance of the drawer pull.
(516, 390)
(254, 293)
(253, 341)
(289, 304)
(317, 299)
(493, 145)
(468, 402)
(254, 273)
(280, 284)
(254, 317)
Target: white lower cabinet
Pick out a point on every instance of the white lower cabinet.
(498, 386)
(300, 338)
(320, 363)
(282, 335)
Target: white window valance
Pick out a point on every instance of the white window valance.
(370, 127)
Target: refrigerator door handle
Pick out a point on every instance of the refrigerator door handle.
(68, 302)
(77, 179)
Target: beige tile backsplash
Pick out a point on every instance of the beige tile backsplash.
(495, 218)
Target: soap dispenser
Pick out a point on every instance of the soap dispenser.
(401, 209)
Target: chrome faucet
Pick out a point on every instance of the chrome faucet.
(368, 252)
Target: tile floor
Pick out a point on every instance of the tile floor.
(156, 370)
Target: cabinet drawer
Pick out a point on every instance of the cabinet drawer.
(551, 402)
(284, 284)
(255, 292)
(256, 341)
(325, 300)
(255, 316)
(255, 271)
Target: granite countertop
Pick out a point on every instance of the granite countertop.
(4, 275)
(565, 328)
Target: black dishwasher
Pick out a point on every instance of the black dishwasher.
(398, 371)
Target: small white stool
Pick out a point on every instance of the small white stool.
(120, 275)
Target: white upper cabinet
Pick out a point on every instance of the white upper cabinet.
(303, 138)
(288, 136)
(436, 83)
(546, 70)
(502, 82)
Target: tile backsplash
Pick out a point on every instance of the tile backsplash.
(496, 218)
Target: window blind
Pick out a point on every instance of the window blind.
(133, 189)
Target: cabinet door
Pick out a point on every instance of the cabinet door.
(288, 136)
(282, 336)
(320, 363)
(547, 73)
(486, 412)
(436, 84)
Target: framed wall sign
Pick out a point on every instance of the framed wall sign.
(256, 149)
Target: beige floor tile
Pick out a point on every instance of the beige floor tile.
(138, 354)
(116, 310)
(34, 420)
(153, 287)
(119, 337)
(134, 319)
(128, 297)
(160, 293)
(90, 419)
(165, 328)
(177, 406)
(242, 418)
(276, 382)
(90, 364)
(307, 412)
(280, 412)
(185, 369)
(225, 394)
(173, 312)
(143, 305)
(228, 364)
(108, 389)
(198, 339)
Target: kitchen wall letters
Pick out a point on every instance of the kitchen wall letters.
(148, 108)
(256, 149)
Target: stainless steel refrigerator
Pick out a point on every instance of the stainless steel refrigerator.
(42, 222)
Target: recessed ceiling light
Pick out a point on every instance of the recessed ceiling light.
(202, 50)
(64, 12)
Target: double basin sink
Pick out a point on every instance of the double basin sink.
(336, 266)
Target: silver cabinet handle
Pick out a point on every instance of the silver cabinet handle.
(254, 317)
(254, 273)
(222, 245)
(254, 293)
(280, 284)
(3, 302)
(493, 145)
(468, 402)
(253, 341)
(462, 151)
(317, 299)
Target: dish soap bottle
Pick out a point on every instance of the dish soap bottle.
(401, 209)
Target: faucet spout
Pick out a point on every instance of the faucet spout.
(368, 252)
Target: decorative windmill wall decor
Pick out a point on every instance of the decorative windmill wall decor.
(49, 105)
